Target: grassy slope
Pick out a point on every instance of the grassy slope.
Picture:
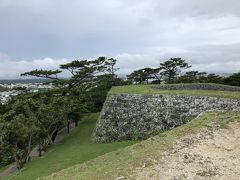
(147, 89)
(75, 148)
(123, 161)
(3, 168)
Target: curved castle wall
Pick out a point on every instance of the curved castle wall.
(135, 116)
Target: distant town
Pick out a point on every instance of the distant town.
(11, 88)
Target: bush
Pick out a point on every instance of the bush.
(5, 156)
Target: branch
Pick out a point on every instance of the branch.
(48, 74)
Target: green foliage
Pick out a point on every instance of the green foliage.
(5, 152)
(81, 72)
(76, 110)
(191, 77)
(213, 78)
(85, 91)
(171, 68)
(110, 67)
(33, 119)
(90, 80)
(168, 70)
(50, 74)
(233, 80)
(97, 94)
(18, 128)
(77, 147)
(142, 75)
(199, 77)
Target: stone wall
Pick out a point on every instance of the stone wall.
(129, 116)
(198, 86)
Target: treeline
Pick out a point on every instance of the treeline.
(34, 120)
(174, 70)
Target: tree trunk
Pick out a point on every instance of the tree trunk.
(68, 127)
(50, 140)
(54, 135)
(76, 123)
(28, 158)
(19, 164)
(158, 78)
(39, 150)
(17, 159)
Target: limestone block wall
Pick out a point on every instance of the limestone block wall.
(135, 116)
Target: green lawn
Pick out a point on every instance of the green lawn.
(148, 89)
(2, 168)
(123, 161)
(76, 148)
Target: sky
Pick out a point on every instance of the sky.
(41, 34)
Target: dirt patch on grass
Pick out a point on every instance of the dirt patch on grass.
(213, 153)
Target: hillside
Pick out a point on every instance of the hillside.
(76, 148)
(177, 114)
(130, 108)
(145, 159)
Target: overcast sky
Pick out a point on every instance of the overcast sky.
(139, 33)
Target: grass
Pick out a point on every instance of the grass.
(148, 89)
(76, 148)
(3, 168)
(123, 161)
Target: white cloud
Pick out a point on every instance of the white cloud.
(229, 67)
(126, 62)
(12, 69)
(205, 59)
(137, 32)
